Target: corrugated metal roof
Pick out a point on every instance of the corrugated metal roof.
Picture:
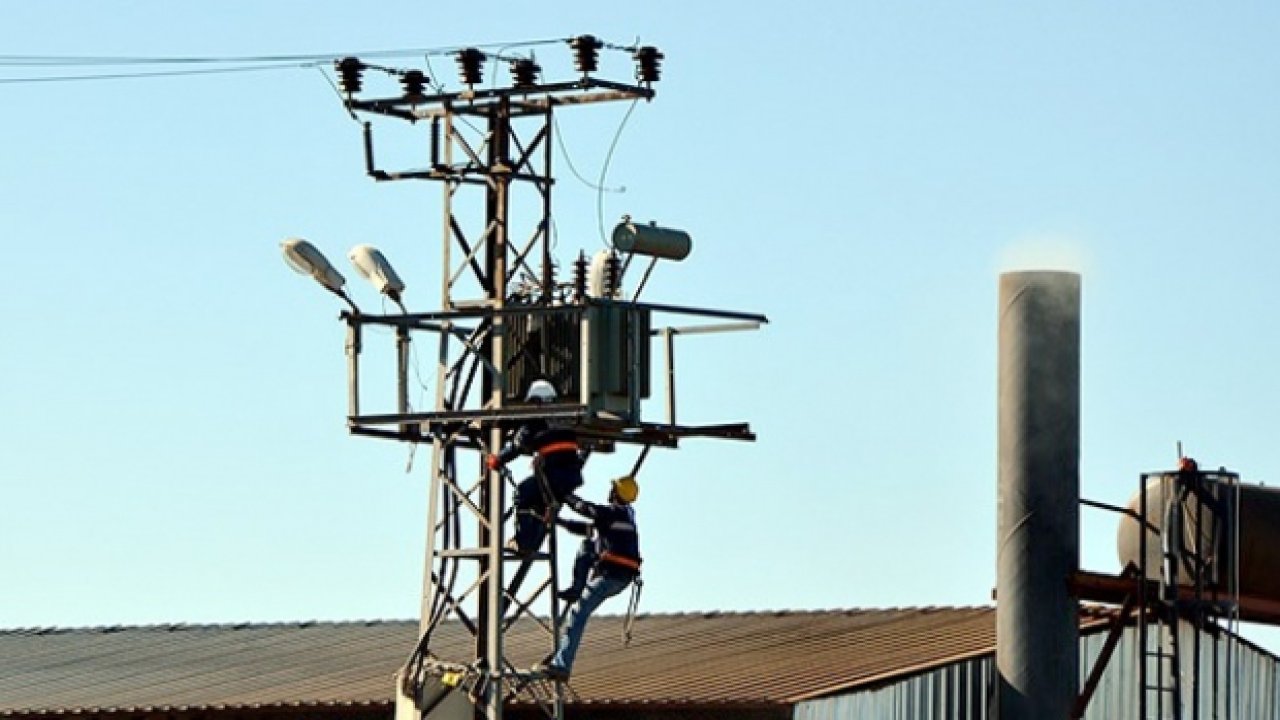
(687, 659)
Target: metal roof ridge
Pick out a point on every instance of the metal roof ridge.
(174, 627)
(302, 624)
(820, 611)
(186, 707)
(685, 701)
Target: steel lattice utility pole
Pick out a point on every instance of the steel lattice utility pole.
(505, 321)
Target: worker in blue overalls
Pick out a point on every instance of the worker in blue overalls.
(607, 563)
(557, 470)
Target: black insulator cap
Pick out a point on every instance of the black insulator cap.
(414, 83)
(580, 276)
(648, 64)
(524, 73)
(349, 70)
(586, 53)
(471, 66)
(612, 275)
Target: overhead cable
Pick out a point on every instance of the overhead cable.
(111, 60)
(155, 74)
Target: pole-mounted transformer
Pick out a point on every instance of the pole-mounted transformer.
(505, 322)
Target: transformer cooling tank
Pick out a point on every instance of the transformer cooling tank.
(1258, 535)
(651, 240)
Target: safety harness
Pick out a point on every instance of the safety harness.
(555, 447)
(614, 558)
(633, 564)
(628, 625)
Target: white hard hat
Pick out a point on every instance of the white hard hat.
(541, 391)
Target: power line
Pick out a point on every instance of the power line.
(113, 60)
(155, 74)
(231, 63)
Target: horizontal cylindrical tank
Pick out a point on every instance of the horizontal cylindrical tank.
(652, 240)
(1255, 570)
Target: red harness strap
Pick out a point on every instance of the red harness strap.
(562, 446)
(616, 559)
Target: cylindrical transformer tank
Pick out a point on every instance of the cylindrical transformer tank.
(1210, 515)
(667, 243)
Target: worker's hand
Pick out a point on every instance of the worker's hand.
(491, 462)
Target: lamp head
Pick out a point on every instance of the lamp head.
(304, 258)
(373, 266)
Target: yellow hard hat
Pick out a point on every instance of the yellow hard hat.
(626, 489)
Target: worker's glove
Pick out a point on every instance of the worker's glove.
(491, 462)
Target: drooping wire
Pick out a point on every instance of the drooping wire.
(431, 75)
(604, 171)
(416, 364)
(564, 152)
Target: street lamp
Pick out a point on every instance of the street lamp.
(374, 267)
(305, 259)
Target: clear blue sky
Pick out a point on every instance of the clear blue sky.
(173, 397)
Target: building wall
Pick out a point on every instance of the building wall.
(960, 691)
(1244, 684)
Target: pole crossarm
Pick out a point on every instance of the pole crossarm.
(533, 99)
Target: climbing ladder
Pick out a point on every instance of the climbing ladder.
(1193, 515)
(1159, 647)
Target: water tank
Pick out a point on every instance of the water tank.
(1256, 533)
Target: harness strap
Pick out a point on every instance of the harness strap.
(544, 489)
(629, 624)
(616, 559)
(555, 447)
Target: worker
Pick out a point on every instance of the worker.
(606, 565)
(557, 470)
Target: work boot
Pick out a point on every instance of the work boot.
(551, 672)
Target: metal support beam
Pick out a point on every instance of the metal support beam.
(1118, 624)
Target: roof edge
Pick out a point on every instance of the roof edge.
(303, 624)
(202, 707)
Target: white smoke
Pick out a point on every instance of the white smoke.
(1044, 252)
